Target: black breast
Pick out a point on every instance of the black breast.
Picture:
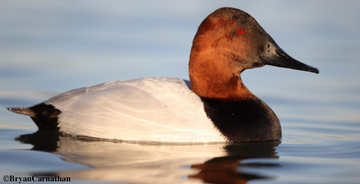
(244, 121)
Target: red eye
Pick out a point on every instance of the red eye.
(240, 31)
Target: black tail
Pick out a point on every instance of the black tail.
(45, 116)
(22, 110)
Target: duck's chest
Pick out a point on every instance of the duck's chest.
(244, 121)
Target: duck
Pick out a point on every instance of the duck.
(214, 106)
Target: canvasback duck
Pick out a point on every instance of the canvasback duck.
(215, 106)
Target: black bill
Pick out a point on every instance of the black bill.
(275, 56)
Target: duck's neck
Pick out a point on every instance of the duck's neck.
(216, 80)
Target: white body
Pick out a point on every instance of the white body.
(147, 109)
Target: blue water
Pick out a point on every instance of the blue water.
(48, 47)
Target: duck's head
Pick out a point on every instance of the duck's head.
(227, 42)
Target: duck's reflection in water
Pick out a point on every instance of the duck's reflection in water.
(156, 163)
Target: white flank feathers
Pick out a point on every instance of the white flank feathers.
(147, 109)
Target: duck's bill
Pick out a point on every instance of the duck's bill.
(275, 56)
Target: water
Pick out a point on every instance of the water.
(47, 47)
